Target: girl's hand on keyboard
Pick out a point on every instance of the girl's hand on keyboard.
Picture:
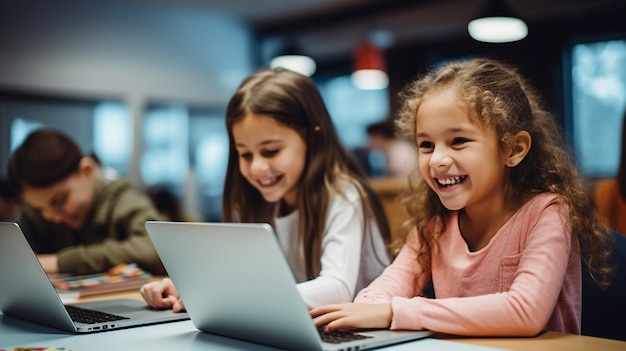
(353, 315)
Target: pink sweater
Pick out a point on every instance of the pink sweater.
(526, 280)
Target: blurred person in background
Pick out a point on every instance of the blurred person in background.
(76, 218)
(399, 155)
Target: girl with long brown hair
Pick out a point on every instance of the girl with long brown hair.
(288, 168)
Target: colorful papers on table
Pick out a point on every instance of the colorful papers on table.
(118, 278)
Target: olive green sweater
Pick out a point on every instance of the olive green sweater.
(114, 232)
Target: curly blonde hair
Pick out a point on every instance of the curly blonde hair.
(498, 98)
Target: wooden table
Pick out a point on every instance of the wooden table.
(548, 341)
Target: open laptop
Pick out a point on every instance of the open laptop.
(235, 281)
(27, 293)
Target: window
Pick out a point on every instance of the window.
(112, 136)
(209, 154)
(102, 127)
(186, 152)
(599, 100)
(165, 161)
(353, 109)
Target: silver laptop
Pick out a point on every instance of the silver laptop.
(27, 293)
(235, 282)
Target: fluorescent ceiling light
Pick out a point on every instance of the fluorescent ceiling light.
(497, 23)
(497, 29)
(370, 79)
(297, 63)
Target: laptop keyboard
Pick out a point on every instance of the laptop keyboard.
(340, 336)
(83, 315)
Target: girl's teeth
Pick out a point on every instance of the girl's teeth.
(450, 181)
(267, 181)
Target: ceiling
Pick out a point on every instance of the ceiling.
(328, 28)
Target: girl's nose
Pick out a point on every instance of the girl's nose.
(259, 165)
(440, 158)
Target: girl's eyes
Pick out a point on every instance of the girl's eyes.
(425, 145)
(269, 153)
(458, 141)
(264, 153)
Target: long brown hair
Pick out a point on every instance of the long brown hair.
(294, 101)
(498, 98)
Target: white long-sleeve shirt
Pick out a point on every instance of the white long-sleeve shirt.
(349, 261)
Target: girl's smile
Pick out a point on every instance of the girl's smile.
(270, 182)
(447, 182)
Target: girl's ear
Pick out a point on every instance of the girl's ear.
(88, 166)
(519, 149)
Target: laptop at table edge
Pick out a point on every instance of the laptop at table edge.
(235, 281)
(27, 293)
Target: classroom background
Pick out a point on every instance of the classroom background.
(144, 84)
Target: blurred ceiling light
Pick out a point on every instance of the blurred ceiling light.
(497, 23)
(293, 59)
(370, 71)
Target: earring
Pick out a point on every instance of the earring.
(511, 161)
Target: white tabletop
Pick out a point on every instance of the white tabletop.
(162, 337)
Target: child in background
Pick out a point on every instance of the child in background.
(287, 167)
(400, 154)
(500, 215)
(77, 220)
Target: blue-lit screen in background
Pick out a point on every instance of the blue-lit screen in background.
(599, 99)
